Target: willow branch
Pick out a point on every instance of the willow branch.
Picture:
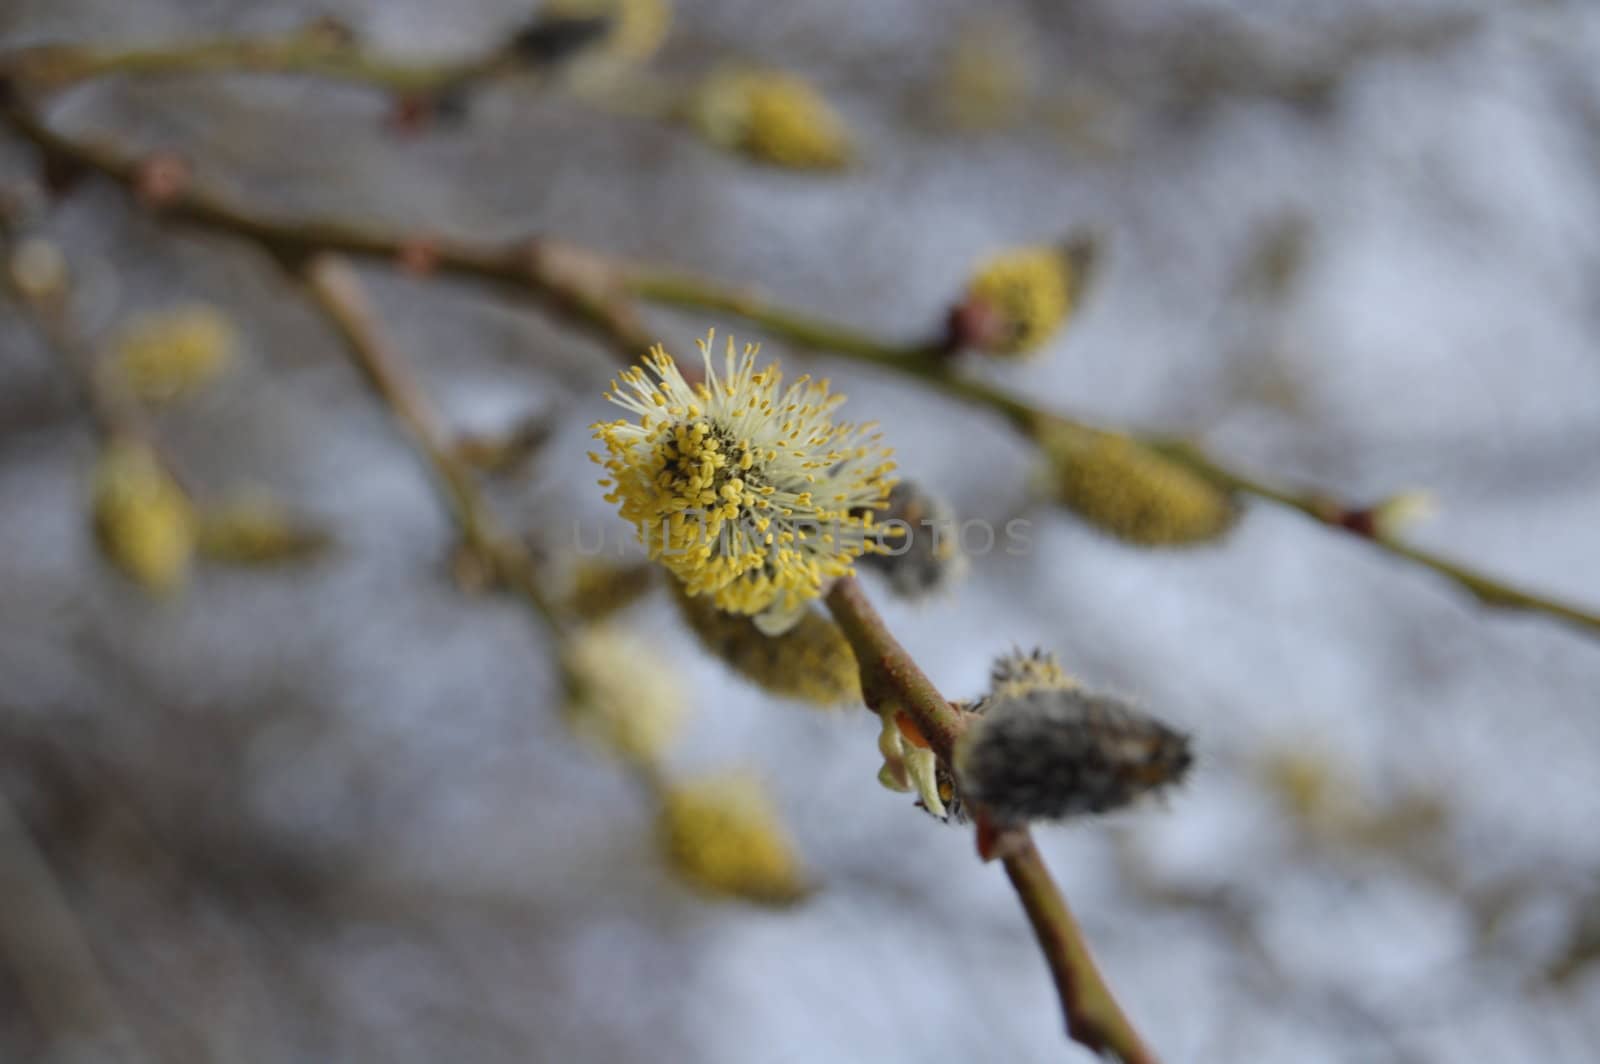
(575, 284)
(338, 291)
(891, 678)
(52, 962)
(596, 293)
(322, 50)
(929, 363)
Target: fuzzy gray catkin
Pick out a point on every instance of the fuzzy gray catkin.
(1048, 753)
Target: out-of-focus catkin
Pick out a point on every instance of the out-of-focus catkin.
(723, 836)
(811, 661)
(926, 558)
(622, 695)
(1017, 299)
(256, 529)
(1123, 488)
(142, 518)
(594, 590)
(172, 354)
(772, 117)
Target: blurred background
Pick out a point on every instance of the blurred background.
(327, 809)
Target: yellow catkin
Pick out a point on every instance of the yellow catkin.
(623, 696)
(747, 491)
(723, 836)
(142, 518)
(255, 530)
(811, 661)
(596, 590)
(173, 354)
(987, 75)
(1304, 783)
(1030, 292)
(772, 117)
(1130, 491)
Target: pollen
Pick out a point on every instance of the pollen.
(748, 492)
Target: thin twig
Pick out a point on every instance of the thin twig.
(339, 292)
(49, 957)
(323, 51)
(890, 677)
(569, 280)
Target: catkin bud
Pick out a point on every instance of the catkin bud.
(1048, 753)
(988, 75)
(772, 117)
(811, 661)
(622, 696)
(1021, 671)
(596, 590)
(927, 558)
(1389, 520)
(1012, 675)
(1016, 300)
(142, 518)
(174, 353)
(256, 530)
(38, 269)
(1136, 494)
(723, 837)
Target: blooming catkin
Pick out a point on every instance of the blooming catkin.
(622, 696)
(772, 117)
(811, 661)
(748, 494)
(1046, 753)
(1130, 491)
(723, 837)
(173, 354)
(142, 518)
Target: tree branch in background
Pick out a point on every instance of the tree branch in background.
(930, 364)
(338, 291)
